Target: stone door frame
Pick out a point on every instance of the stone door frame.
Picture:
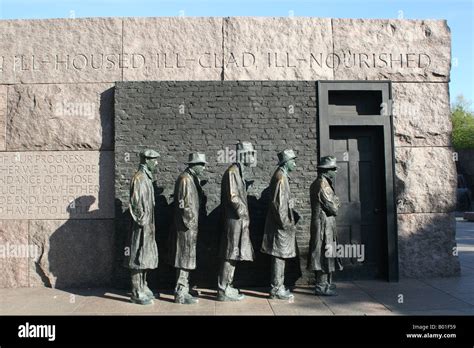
(385, 120)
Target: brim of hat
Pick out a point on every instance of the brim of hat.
(327, 166)
(196, 162)
(152, 156)
(281, 162)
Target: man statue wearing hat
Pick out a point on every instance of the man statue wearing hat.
(183, 238)
(235, 240)
(279, 239)
(324, 206)
(142, 253)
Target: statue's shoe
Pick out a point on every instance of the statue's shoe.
(221, 296)
(149, 293)
(326, 291)
(185, 299)
(142, 300)
(284, 294)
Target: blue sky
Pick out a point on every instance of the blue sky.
(458, 13)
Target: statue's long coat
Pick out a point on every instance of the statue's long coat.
(324, 208)
(279, 237)
(183, 238)
(142, 251)
(235, 240)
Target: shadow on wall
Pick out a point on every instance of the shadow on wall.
(427, 244)
(80, 251)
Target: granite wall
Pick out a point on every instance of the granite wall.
(57, 81)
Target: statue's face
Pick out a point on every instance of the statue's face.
(331, 174)
(199, 168)
(291, 165)
(152, 164)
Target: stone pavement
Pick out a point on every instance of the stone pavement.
(435, 296)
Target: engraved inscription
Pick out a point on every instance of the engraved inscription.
(213, 60)
(49, 184)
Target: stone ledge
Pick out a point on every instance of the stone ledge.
(469, 216)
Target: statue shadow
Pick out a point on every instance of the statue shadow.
(164, 276)
(79, 253)
(75, 248)
(207, 248)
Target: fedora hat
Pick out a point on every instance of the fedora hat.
(285, 156)
(328, 162)
(196, 157)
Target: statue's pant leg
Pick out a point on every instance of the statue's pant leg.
(182, 281)
(144, 284)
(278, 274)
(136, 277)
(226, 274)
(330, 278)
(321, 280)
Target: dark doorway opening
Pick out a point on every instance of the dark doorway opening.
(355, 124)
(360, 186)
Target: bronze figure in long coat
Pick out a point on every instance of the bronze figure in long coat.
(141, 251)
(322, 256)
(235, 240)
(279, 239)
(186, 217)
(324, 207)
(183, 239)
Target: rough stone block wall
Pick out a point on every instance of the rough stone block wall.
(57, 81)
(177, 118)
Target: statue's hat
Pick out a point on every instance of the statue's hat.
(285, 156)
(196, 157)
(328, 162)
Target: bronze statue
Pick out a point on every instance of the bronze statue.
(235, 242)
(183, 239)
(324, 207)
(142, 253)
(279, 239)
